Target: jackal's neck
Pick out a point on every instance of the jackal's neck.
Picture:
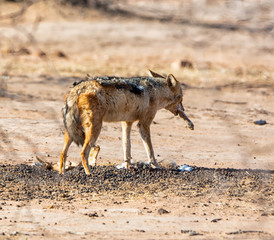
(163, 96)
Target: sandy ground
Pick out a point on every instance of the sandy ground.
(230, 86)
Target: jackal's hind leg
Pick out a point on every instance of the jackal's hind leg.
(126, 128)
(93, 155)
(63, 158)
(91, 134)
(145, 134)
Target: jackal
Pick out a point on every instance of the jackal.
(113, 99)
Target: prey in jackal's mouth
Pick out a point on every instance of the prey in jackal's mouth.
(115, 99)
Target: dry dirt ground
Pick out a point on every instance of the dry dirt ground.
(229, 195)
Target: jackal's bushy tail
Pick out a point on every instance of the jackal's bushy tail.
(71, 118)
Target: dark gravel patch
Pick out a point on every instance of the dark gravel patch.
(24, 182)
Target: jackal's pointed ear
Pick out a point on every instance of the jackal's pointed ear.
(154, 74)
(171, 80)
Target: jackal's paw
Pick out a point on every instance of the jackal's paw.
(155, 166)
(152, 165)
(125, 165)
(87, 171)
(190, 125)
(122, 165)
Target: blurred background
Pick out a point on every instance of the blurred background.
(201, 41)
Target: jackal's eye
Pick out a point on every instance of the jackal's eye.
(178, 98)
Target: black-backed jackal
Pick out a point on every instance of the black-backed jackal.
(113, 99)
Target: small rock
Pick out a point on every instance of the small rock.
(23, 51)
(15, 233)
(194, 233)
(185, 168)
(41, 54)
(162, 211)
(176, 65)
(244, 232)
(61, 54)
(216, 220)
(191, 232)
(92, 215)
(260, 122)
(186, 64)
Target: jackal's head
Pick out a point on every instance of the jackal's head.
(175, 97)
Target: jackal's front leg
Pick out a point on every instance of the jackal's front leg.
(145, 134)
(126, 128)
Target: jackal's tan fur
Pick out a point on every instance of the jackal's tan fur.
(112, 99)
